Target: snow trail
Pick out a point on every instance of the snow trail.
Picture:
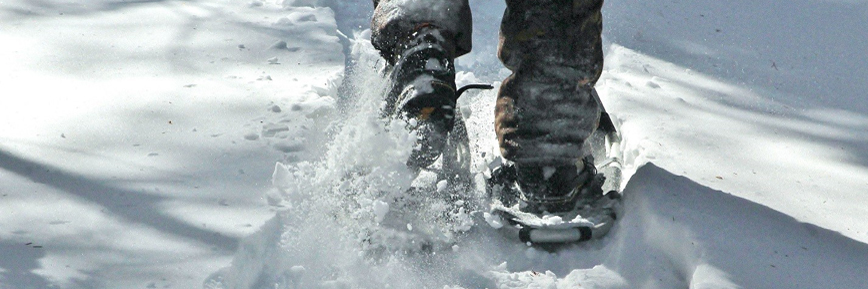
(349, 220)
(675, 233)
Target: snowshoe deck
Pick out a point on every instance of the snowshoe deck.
(590, 222)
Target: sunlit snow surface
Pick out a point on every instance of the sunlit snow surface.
(143, 143)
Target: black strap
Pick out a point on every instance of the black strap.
(524, 235)
(606, 123)
(471, 86)
(585, 233)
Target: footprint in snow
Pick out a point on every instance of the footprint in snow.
(281, 45)
(251, 136)
(278, 45)
(307, 18)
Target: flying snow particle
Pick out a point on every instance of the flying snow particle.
(297, 269)
(548, 172)
(441, 186)
(493, 220)
(380, 210)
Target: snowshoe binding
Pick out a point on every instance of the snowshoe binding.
(547, 206)
(423, 93)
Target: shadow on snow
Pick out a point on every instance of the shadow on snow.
(145, 208)
(681, 233)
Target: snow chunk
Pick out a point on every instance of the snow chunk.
(442, 185)
(493, 220)
(552, 220)
(581, 220)
(463, 221)
(433, 64)
(548, 172)
(380, 210)
(297, 270)
(281, 176)
(423, 83)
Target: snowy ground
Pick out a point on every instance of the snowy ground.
(139, 139)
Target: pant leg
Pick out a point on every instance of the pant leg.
(546, 109)
(394, 20)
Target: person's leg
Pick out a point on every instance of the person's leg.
(396, 20)
(420, 40)
(547, 108)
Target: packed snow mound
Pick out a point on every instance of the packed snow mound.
(679, 234)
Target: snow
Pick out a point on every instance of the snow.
(380, 210)
(122, 153)
(548, 172)
(182, 144)
(493, 220)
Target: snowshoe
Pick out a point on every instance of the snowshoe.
(556, 216)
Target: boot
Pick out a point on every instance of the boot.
(423, 91)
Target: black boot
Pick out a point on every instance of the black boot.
(547, 189)
(423, 91)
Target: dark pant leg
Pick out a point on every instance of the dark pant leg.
(546, 109)
(395, 20)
